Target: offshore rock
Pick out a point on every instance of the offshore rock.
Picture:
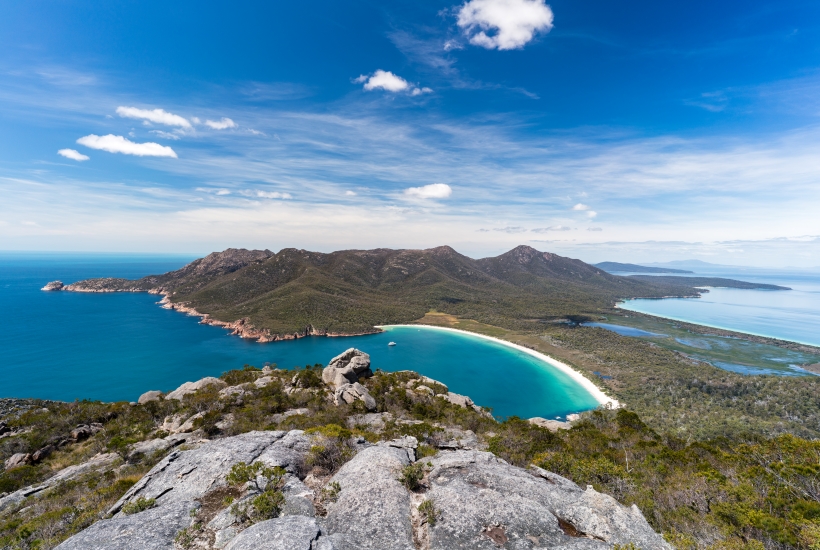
(347, 368)
(53, 285)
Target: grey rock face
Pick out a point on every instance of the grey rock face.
(369, 523)
(191, 387)
(97, 462)
(17, 459)
(484, 504)
(176, 483)
(551, 425)
(349, 393)
(347, 368)
(149, 396)
(487, 504)
(284, 533)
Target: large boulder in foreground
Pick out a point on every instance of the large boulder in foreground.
(347, 368)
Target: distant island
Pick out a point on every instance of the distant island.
(616, 267)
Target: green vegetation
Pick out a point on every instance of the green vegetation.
(710, 492)
(411, 476)
(139, 505)
(673, 393)
(429, 512)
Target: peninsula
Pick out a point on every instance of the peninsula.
(270, 296)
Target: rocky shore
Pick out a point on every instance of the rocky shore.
(240, 327)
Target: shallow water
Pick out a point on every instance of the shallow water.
(792, 315)
(65, 346)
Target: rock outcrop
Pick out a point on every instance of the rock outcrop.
(347, 368)
(191, 387)
(480, 502)
(153, 395)
(53, 285)
(97, 462)
(343, 374)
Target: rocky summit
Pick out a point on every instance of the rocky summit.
(461, 499)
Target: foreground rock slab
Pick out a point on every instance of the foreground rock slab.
(483, 503)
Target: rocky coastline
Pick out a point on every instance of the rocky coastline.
(240, 327)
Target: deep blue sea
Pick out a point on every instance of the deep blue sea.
(66, 346)
(786, 314)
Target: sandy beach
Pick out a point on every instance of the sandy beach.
(582, 380)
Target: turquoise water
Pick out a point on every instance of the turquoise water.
(792, 315)
(66, 346)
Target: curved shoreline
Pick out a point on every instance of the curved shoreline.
(596, 392)
(702, 324)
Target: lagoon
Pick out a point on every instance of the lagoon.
(66, 346)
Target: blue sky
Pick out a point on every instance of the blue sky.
(639, 131)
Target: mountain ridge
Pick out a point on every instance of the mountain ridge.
(296, 292)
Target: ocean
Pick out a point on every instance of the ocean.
(111, 347)
(792, 315)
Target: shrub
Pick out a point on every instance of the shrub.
(334, 449)
(311, 377)
(330, 493)
(411, 476)
(429, 512)
(139, 505)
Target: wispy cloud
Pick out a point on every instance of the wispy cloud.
(73, 154)
(504, 24)
(551, 228)
(119, 144)
(157, 116)
(432, 191)
(580, 206)
(222, 124)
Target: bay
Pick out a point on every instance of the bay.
(66, 346)
(792, 315)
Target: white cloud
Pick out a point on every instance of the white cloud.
(595, 229)
(383, 80)
(273, 195)
(419, 91)
(432, 191)
(591, 214)
(222, 192)
(119, 144)
(72, 154)
(350, 193)
(510, 229)
(512, 23)
(157, 116)
(452, 45)
(222, 124)
(580, 206)
(551, 228)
